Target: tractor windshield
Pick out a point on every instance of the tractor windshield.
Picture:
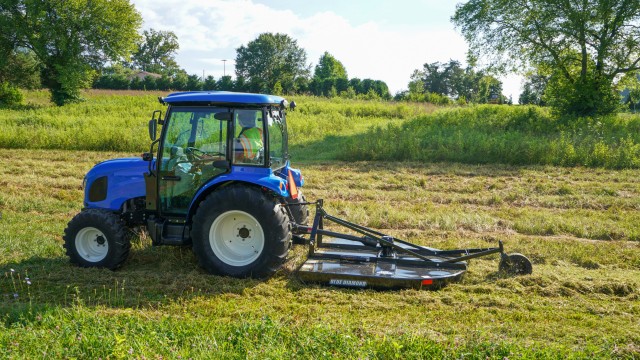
(277, 139)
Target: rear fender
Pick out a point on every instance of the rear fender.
(249, 176)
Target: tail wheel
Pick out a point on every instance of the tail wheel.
(515, 264)
(240, 231)
(97, 238)
(300, 212)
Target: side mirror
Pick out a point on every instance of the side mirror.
(153, 128)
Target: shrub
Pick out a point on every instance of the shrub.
(10, 95)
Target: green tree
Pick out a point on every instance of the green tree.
(277, 88)
(180, 81)
(209, 83)
(194, 83)
(20, 67)
(164, 82)
(271, 58)
(9, 95)
(588, 44)
(355, 84)
(225, 83)
(330, 77)
(71, 38)
(156, 53)
(115, 77)
(150, 83)
(442, 78)
(449, 79)
(631, 92)
(137, 84)
(329, 68)
(533, 89)
(490, 91)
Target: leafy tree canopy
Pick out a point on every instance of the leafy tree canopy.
(588, 44)
(156, 53)
(71, 38)
(451, 80)
(329, 68)
(533, 90)
(20, 67)
(271, 58)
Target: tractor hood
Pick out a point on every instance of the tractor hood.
(110, 183)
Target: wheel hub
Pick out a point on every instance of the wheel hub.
(91, 244)
(243, 232)
(236, 238)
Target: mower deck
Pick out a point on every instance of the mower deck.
(341, 262)
(380, 261)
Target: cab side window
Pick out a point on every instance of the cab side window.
(248, 142)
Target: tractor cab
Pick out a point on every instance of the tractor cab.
(206, 136)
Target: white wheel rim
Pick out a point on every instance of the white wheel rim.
(91, 244)
(236, 238)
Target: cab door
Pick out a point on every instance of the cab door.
(195, 137)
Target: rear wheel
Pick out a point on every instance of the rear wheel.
(300, 212)
(240, 231)
(97, 238)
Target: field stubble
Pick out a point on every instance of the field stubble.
(579, 226)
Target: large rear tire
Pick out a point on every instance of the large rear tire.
(240, 231)
(97, 238)
(300, 212)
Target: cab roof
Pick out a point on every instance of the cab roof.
(221, 97)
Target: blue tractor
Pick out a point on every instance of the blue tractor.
(222, 183)
(217, 182)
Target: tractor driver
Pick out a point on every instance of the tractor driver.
(249, 144)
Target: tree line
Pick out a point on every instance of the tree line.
(272, 63)
(445, 83)
(579, 56)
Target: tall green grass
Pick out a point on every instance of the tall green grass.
(503, 134)
(330, 129)
(106, 121)
(117, 120)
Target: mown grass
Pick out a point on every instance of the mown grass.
(578, 226)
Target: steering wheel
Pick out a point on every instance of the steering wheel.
(198, 154)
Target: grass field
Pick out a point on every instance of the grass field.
(578, 225)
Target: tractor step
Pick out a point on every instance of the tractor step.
(164, 232)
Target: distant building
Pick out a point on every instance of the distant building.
(140, 75)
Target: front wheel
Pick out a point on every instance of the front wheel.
(240, 231)
(96, 238)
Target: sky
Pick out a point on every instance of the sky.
(377, 39)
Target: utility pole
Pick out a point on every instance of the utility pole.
(224, 69)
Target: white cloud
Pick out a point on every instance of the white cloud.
(211, 30)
